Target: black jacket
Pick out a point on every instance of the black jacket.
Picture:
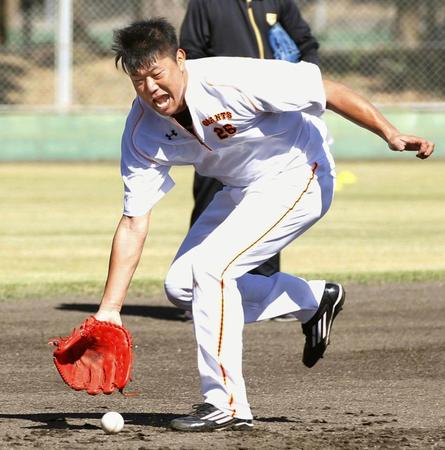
(225, 28)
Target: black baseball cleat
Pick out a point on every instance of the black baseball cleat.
(318, 329)
(207, 417)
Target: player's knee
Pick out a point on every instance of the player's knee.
(178, 295)
(178, 285)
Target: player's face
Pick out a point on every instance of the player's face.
(162, 85)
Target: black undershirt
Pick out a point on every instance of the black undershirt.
(185, 119)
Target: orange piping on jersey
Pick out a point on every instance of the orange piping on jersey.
(224, 375)
(231, 401)
(221, 326)
(141, 114)
(221, 323)
(314, 168)
(259, 40)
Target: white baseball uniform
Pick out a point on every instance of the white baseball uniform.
(258, 130)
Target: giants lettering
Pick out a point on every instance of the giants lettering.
(216, 118)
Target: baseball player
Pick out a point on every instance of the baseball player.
(256, 126)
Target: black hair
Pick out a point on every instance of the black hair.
(141, 43)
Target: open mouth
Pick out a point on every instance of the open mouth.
(162, 101)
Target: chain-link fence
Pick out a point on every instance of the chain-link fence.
(393, 51)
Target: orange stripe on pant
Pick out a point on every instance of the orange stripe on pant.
(221, 326)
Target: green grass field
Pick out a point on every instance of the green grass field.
(58, 221)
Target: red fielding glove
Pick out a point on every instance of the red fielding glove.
(96, 357)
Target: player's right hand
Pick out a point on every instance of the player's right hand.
(402, 142)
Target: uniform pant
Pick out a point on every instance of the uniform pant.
(242, 228)
(204, 189)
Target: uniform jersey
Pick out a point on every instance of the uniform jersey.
(252, 120)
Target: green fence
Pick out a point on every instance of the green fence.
(96, 136)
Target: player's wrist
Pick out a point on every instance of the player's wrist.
(108, 315)
(109, 311)
(110, 306)
(110, 302)
(390, 133)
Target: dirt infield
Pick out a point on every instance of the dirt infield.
(381, 384)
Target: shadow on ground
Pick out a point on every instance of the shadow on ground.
(155, 312)
(60, 420)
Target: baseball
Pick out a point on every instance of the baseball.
(112, 422)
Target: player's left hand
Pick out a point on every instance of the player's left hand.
(403, 142)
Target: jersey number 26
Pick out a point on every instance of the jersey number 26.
(225, 131)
